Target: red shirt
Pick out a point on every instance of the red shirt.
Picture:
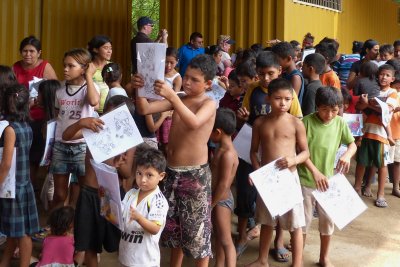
(24, 76)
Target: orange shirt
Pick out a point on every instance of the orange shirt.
(330, 79)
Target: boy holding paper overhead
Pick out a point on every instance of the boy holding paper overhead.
(325, 133)
(188, 183)
(281, 136)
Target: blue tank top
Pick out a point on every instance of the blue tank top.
(288, 76)
(258, 104)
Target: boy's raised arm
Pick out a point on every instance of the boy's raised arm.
(224, 177)
(190, 119)
(145, 107)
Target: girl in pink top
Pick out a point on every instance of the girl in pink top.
(58, 247)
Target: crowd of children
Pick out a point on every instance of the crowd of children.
(176, 188)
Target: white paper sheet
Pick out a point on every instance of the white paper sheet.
(34, 86)
(110, 197)
(340, 201)
(216, 92)
(279, 189)
(355, 123)
(7, 188)
(119, 134)
(385, 112)
(151, 65)
(342, 149)
(307, 52)
(3, 125)
(242, 143)
(50, 137)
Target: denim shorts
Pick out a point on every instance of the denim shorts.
(227, 203)
(68, 158)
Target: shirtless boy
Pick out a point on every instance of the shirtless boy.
(188, 183)
(280, 135)
(223, 168)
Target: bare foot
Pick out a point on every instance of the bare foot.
(325, 263)
(358, 191)
(257, 263)
(396, 192)
(367, 192)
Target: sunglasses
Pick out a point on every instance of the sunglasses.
(151, 25)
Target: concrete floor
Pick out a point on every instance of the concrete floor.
(373, 240)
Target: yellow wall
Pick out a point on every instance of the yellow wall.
(247, 21)
(359, 20)
(62, 25)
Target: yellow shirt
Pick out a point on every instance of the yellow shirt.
(295, 108)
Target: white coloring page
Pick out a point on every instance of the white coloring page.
(340, 201)
(151, 65)
(119, 134)
(279, 189)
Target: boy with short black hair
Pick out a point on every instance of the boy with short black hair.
(223, 168)
(247, 74)
(286, 55)
(325, 133)
(280, 135)
(144, 211)
(233, 97)
(254, 105)
(313, 66)
(328, 77)
(188, 183)
(372, 150)
(386, 52)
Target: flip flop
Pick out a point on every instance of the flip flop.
(381, 203)
(240, 249)
(279, 254)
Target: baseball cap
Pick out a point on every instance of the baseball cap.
(225, 39)
(144, 21)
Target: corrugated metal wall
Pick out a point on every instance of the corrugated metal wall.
(359, 20)
(62, 25)
(19, 18)
(254, 21)
(247, 21)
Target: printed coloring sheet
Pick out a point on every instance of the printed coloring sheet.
(355, 123)
(340, 201)
(385, 111)
(110, 197)
(279, 189)
(151, 65)
(119, 134)
(50, 137)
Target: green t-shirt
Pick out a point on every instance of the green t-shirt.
(103, 88)
(323, 142)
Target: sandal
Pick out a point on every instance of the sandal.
(240, 248)
(381, 203)
(281, 254)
